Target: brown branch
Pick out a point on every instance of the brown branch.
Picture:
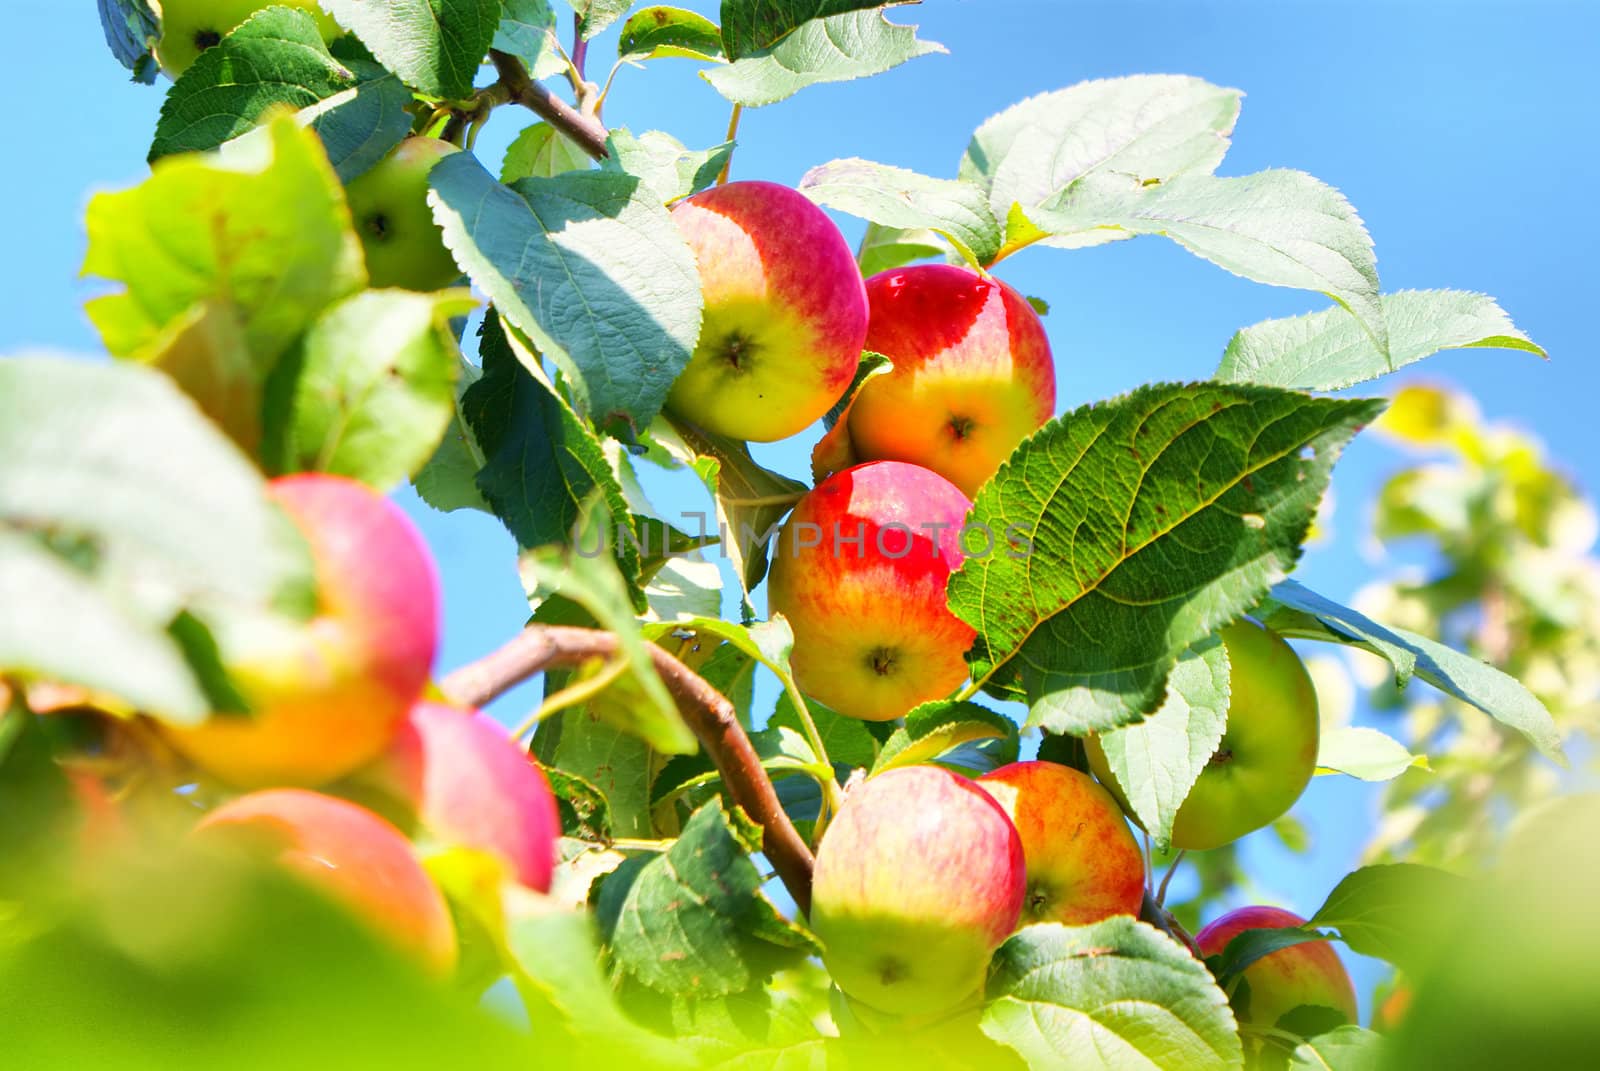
(587, 132)
(706, 711)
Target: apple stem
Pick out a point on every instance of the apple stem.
(733, 132)
(1161, 893)
(707, 712)
(585, 131)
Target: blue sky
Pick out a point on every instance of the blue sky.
(1458, 129)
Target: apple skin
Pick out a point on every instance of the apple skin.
(1308, 973)
(328, 696)
(918, 879)
(785, 312)
(1083, 863)
(189, 27)
(470, 785)
(873, 634)
(349, 853)
(389, 204)
(972, 376)
(1268, 750)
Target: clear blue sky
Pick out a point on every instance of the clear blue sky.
(1460, 130)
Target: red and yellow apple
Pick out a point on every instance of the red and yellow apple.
(1308, 973)
(327, 696)
(1268, 750)
(785, 312)
(1083, 863)
(389, 204)
(347, 852)
(972, 373)
(470, 785)
(189, 27)
(919, 878)
(859, 570)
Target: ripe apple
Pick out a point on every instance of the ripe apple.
(860, 571)
(972, 373)
(470, 785)
(1308, 973)
(785, 312)
(919, 878)
(351, 854)
(1268, 750)
(189, 27)
(328, 696)
(389, 203)
(1083, 863)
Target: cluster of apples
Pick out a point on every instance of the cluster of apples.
(339, 712)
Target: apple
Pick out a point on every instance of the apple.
(349, 853)
(189, 27)
(785, 312)
(859, 570)
(918, 879)
(470, 785)
(1268, 750)
(389, 203)
(972, 373)
(1307, 973)
(1083, 863)
(326, 697)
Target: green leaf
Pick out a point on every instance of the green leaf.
(1115, 995)
(724, 936)
(662, 31)
(1130, 530)
(370, 390)
(1282, 228)
(1159, 759)
(1149, 127)
(1330, 350)
(952, 208)
(449, 479)
(782, 750)
(833, 49)
(1246, 947)
(932, 729)
(1399, 912)
(261, 227)
(847, 740)
(1344, 1048)
(1364, 753)
(618, 764)
(360, 125)
(598, 14)
(131, 28)
(528, 31)
(276, 58)
(663, 164)
(683, 588)
(541, 463)
(884, 248)
(591, 267)
(435, 46)
(1295, 610)
(541, 151)
(751, 25)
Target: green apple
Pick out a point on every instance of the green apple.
(1083, 863)
(389, 204)
(972, 373)
(785, 312)
(1268, 750)
(859, 570)
(1302, 974)
(189, 27)
(326, 698)
(348, 853)
(919, 878)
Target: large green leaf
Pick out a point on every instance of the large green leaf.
(591, 267)
(1399, 912)
(1295, 610)
(1282, 228)
(932, 729)
(1118, 996)
(1364, 753)
(1344, 1048)
(837, 48)
(751, 25)
(955, 209)
(1330, 350)
(435, 46)
(883, 248)
(528, 31)
(1128, 531)
(361, 125)
(693, 920)
(541, 151)
(131, 28)
(371, 388)
(448, 481)
(659, 31)
(847, 740)
(661, 162)
(1157, 761)
(596, 15)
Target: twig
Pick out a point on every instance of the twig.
(1161, 893)
(1162, 919)
(585, 131)
(733, 131)
(706, 711)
